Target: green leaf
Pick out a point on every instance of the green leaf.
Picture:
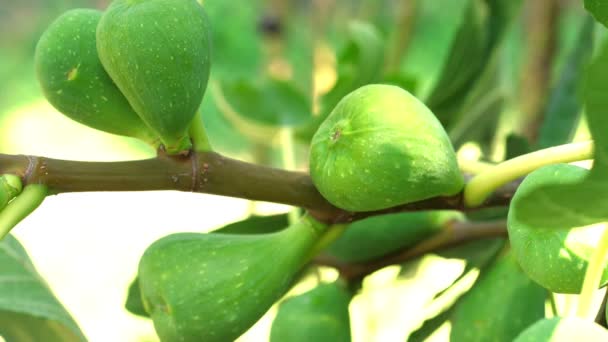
(516, 146)
(360, 62)
(478, 255)
(273, 102)
(596, 102)
(474, 117)
(223, 134)
(236, 44)
(380, 235)
(364, 52)
(430, 326)
(564, 106)
(466, 57)
(256, 225)
(599, 10)
(560, 197)
(401, 80)
(503, 302)
(481, 32)
(28, 309)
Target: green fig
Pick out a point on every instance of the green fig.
(555, 258)
(381, 147)
(502, 303)
(563, 330)
(10, 187)
(319, 315)
(158, 53)
(376, 236)
(76, 84)
(213, 287)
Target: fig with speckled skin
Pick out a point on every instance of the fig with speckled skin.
(213, 287)
(158, 53)
(74, 81)
(554, 258)
(381, 147)
(319, 315)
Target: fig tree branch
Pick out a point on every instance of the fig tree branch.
(210, 173)
(454, 234)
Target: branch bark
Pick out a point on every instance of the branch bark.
(211, 173)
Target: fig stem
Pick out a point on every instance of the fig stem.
(331, 234)
(593, 276)
(483, 184)
(200, 142)
(30, 198)
(289, 163)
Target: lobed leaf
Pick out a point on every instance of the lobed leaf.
(564, 106)
(28, 309)
(557, 201)
(503, 302)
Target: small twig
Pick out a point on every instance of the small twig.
(455, 234)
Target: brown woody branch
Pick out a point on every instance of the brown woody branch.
(454, 234)
(209, 173)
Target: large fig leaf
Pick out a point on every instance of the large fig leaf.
(466, 56)
(478, 255)
(564, 106)
(237, 46)
(480, 32)
(502, 304)
(28, 309)
(564, 204)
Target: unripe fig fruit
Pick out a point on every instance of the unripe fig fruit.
(213, 287)
(555, 258)
(376, 236)
(502, 303)
(74, 81)
(381, 147)
(158, 53)
(320, 314)
(563, 330)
